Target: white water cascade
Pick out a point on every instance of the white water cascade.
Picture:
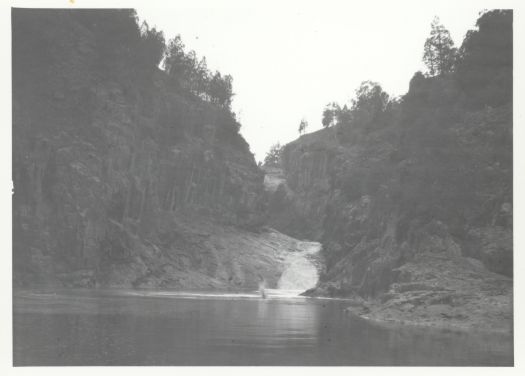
(300, 273)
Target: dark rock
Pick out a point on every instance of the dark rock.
(106, 165)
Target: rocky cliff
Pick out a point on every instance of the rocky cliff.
(400, 234)
(413, 206)
(115, 165)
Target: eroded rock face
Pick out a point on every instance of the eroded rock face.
(104, 165)
(376, 212)
(410, 225)
(457, 292)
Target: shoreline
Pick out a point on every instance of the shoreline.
(389, 320)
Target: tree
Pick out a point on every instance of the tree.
(227, 85)
(175, 61)
(220, 89)
(370, 96)
(370, 101)
(330, 114)
(344, 115)
(152, 45)
(484, 69)
(117, 36)
(273, 157)
(203, 79)
(439, 51)
(193, 75)
(302, 126)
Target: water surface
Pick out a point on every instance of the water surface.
(83, 327)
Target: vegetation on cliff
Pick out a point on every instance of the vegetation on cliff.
(112, 156)
(401, 191)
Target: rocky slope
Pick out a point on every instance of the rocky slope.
(413, 205)
(110, 160)
(388, 244)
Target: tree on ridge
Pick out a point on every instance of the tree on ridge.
(439, 52)
(302, 126)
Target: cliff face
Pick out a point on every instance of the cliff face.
(110, 164)
(415, 214)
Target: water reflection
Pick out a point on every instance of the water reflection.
(86, 328)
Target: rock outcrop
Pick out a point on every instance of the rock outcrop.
(412, 203)
(110, 161)
(384, 242)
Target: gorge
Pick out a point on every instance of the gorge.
(127, 176)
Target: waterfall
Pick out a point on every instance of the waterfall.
(300, 273)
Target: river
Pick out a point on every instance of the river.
(86, 327)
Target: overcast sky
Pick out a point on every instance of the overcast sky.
(289, 59)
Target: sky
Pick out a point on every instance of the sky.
(289, 59)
